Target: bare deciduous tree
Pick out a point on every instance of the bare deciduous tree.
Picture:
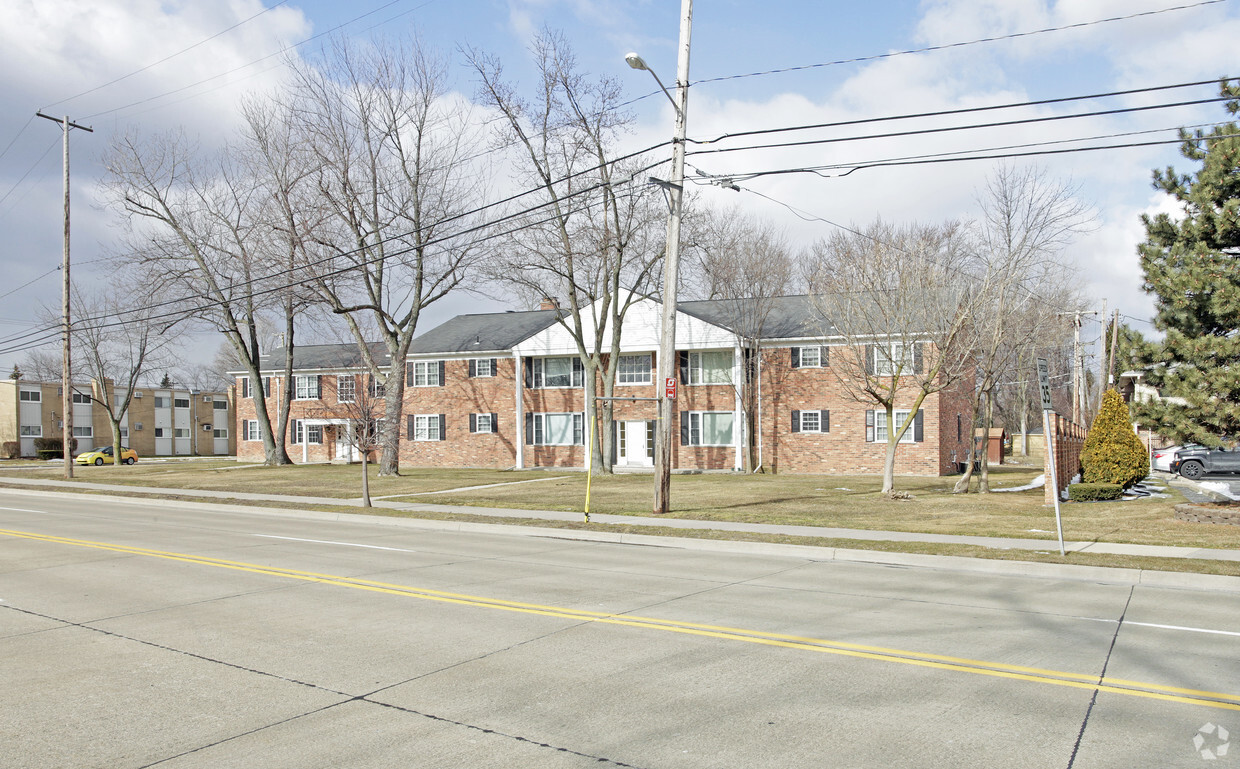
(392, 187)
(1027, 221)
(900, 298)
(595, 239)
(194, 225)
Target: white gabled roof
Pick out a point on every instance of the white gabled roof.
(643, 325)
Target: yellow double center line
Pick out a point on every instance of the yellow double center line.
(900, 656)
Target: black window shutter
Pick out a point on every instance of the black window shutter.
(494, 423)
(615, 442)
(683, 360)
(796, 357)
(917, 360)
(869, 359)
(957, 427)
(529, 428)
(473, 421)
(684, 428)
(796, 419)
(918, 429)
(494, 369)
(825, 355)
(528, 365)
(442, 378)
(320, 386)
(409, 426)
(578, 372)
(245, 387)
(443, 425)
(408, 375)
(473, 371)
(869, 425)
(826, 419)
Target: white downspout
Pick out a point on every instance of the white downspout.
(519, 430)
(738, 374)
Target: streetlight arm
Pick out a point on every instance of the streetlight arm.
(637, 62)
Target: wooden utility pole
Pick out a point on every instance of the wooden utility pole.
(66, 381)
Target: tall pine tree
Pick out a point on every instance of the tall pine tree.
(1192, 267)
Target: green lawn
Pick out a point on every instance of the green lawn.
(811, 500)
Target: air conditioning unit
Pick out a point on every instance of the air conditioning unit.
(138, 426)
(206, 399)
(206, 428)
(138, 394)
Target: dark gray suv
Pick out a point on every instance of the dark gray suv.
(1194, 463)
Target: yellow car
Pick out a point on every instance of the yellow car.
(104, 456)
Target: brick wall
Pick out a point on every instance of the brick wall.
(1068, 440)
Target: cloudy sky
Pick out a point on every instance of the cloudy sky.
(155, 64)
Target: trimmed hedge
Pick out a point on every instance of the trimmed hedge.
(11, 450)
(1113, 453)
(1094, 492)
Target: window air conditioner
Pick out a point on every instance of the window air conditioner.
(138, 394)
(138, 426)
(206, 428)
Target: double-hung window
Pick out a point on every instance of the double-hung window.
(811, 357)
(346, 388)
(555, 429)
(811, 421)
(249, 430)
(707, 368)
(634, 369)
(180, 403)
(482, 367)
(427, 373)
(180, 432)
(81, 397)
(881, 430)
(556, 372)
(83, 432)
(162, 402)
(32, 431)
(303, 433)
(219, 406)
(306, 388)
(891, 358)
(219, 433)
(706, 428)
(426, 427)
(483, 423)
(31, 396)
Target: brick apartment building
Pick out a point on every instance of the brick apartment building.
(159, 422)
(505, 390)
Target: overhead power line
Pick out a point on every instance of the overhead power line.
(169, 57)
(962, 44)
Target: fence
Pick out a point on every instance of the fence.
(1069, 439)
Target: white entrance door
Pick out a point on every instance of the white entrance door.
(344, 443)
(636, 449)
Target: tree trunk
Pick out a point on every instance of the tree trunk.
(889, 461)
(592, 427)
(116, 439)
(983, 483)
(393, 408)
(365, 481)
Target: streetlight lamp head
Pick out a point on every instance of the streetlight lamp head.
(635, 61)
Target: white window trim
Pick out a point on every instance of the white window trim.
(538, 376)
(478, 364)
(35, 396)
(695, 425)
(422, 427)
(540, 428)
(313, 433)
(903, 359)
(880, 415)
(478, 421)
(306, 388)
(37, 431)
(175, 406)
(817, 352)
(424, 371)
(250, 431)
(86, 431)
(817, 417)
(220, 433)
(696, 371)
(176, 432)
(352, 380)
(648, 373)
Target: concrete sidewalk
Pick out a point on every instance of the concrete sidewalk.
(998, 543)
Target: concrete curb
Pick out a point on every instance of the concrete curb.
(1056, 571)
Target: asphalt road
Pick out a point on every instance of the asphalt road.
(138, 633)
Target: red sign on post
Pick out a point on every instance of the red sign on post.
(669, 389)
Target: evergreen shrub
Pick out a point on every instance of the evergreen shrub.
(1094, 492)
(1113, 453)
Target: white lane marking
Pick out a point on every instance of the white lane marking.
(343, 544)
(1164, 627)
(24, 510)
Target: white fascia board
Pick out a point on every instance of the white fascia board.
(642, 328)
(458, 355)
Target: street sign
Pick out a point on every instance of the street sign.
(669, 388)
(1044, 384)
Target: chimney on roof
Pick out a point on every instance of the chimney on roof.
(549, 304)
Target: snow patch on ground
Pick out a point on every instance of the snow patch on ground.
(1218, 487)
(1036, 483)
